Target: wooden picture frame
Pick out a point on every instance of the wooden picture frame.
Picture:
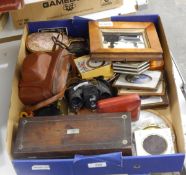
(149, 80)
(155, 102)
(142, 92)
(124, 41)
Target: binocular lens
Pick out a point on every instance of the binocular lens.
(75, 98)
(76, 102)
(91, 102)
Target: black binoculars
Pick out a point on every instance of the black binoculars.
(87, 93)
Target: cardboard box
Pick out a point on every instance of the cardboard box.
(59, 9)
(113, 163)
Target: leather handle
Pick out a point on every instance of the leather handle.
(59, 43)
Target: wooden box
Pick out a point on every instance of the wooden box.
(65, 136)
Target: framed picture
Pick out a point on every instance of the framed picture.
(148, 102)
(133, 68)
(124, 41)
(142, 92)
(124, 38)
(148, 80)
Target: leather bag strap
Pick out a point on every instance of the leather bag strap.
(30, 109)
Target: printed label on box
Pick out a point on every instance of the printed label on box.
(105, 24)
(73, 131)
(55, 29)
(40, 167)
(67, 5)
(97, 165)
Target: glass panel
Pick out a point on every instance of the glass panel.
(124, 38)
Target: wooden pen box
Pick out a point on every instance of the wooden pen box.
(65, 136)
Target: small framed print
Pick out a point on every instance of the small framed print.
(147, 80)
(148, 102)
(130, 71)
(131, 41)
(133, 68)
(131, 65)
(141, 92)
(124, 38)
(154, 142)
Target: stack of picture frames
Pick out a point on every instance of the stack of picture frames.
(136, 55)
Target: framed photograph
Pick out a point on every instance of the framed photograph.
(154, 142)
(124, 38)
(118, 41)
(147, 80)
(133, 68)
(131, 65)
(148, 102)
(141, 92)
(130, 71)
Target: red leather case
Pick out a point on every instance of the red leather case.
(129, 103)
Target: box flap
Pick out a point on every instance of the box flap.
(98, 164)
(153, 164)
(77, 27)
(138, 18)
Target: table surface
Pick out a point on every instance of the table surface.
(8, 58)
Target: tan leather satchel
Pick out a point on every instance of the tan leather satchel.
(44, 77)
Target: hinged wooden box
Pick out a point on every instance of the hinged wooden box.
(65, 136)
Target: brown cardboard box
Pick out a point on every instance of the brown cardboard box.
(59, 9)
(172, 112)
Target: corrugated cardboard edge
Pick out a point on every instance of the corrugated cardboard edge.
(175, 114)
